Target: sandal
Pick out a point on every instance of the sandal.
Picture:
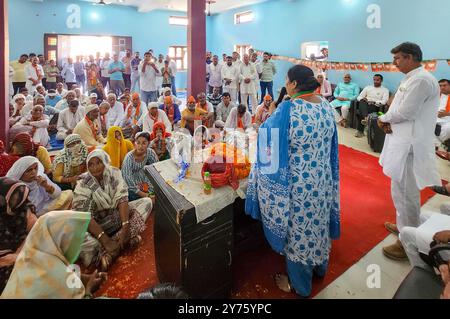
(444, 155)
(277, 277)
(441, 190)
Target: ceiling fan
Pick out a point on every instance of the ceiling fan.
(103, 2)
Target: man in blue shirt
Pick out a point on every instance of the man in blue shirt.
(344, 93)
(52, 98)
(116, 69)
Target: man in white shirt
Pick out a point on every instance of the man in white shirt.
(372, 99)
(68, 119)
(148, 72)
(104, 69)
(34, 73)
(173, 67)
(230, 78)
(159, 79)
(247, 78)
(206, 106)
(443, 121)
(257, 64)
(68, 74)
(224, 108)
(64, 103)
(116, 113)
(214, 70)
(60, 90)
(408, 153)
(153, 115)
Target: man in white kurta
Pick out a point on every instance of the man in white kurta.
(68, 119)
(34, 73)
(154, 114)
(444, 112)
(116, 113)
(247, 78)
(408, 153)
(230, 78)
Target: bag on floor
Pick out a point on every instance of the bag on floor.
(375, 135)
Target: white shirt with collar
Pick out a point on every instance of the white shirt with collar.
(378, 95)
(215, 74)
(247, 71)
(68, 120)
(115, 115)
(173, 67)
(442, 108)
(412, 116)
(147, 80)
(232, 73)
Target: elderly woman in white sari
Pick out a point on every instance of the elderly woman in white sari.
(50, 250)
(37, 122)
(116, 223)
(44, 194)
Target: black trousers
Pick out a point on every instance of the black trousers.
(364, 109)
(127, 80)
(17, 86)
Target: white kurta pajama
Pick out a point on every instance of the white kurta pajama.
(248, 89)
(41, 134)
(231, 73)
(146, 121)
(67, 121)
(408, 154)
(30, 72)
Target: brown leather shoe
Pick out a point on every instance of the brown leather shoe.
(392, 228)
(395, 251)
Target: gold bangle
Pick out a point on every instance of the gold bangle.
(100, 235)
(125, 223)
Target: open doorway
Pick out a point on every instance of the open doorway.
(60, 47)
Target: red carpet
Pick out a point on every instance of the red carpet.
(365, 205)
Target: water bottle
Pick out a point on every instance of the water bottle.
(207, 188)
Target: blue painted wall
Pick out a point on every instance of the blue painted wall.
(28, 21)
(280, 26)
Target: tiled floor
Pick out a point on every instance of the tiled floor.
(353, 283)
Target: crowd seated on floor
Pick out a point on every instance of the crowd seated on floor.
(95, 187)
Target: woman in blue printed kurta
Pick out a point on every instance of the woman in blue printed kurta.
(294, 183)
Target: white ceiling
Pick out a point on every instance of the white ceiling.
(180, 5)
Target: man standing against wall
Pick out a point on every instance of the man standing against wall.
(18, 66)
(408, 153)
(214, 70)
(268, 71)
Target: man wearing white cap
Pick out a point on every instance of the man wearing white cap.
(93, 98)
(64, 103)
(168, 92)
(88, 128)
(154, 114)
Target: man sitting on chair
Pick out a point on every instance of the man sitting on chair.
(443, 122)
(372, 99)
(344, 93)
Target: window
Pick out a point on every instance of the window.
(242, 49)
(178, 53)
(243, 17)
(178, 20)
